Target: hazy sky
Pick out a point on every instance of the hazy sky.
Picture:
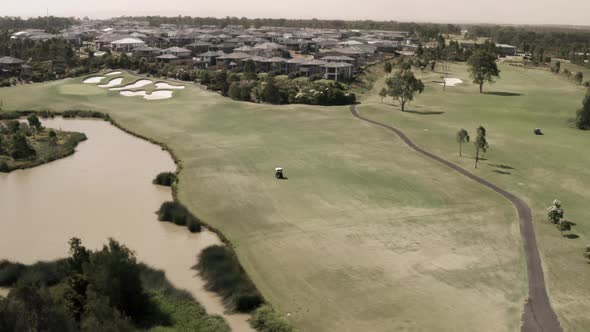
(573, 12)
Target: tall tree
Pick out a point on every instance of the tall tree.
(388, 67)
(483, 68)
(462, 137)
(34, 122)
(21, 148)
(583, 114)
(383, 94)
(481, 143)
(579, 77)
(403, 86)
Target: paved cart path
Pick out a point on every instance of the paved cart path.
(538, 314)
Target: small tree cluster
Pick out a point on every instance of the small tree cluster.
(555, 214)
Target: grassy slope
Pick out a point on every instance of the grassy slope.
(541, 167)
(364, 235)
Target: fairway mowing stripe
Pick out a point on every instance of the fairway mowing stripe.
(538, 315)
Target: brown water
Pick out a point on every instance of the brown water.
(103, 190)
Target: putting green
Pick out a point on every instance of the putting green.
(536, 168)
(364, 235)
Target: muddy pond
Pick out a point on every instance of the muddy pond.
(103, 190)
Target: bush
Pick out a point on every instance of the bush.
(165, 179)
(4, 167)
(265, 319)
(46, 273)
(224, 275)
(10, 272)
(180, 215)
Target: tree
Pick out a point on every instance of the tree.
(114, 272)
(234, 91)
(250, 70)
(271, 92)
(483, 68)
(403, 86)
(579, 77)
(21, 148)
(583, 114)
(481, 143)
(555, 212)
(383, 94)
(388, 67)
(34, 122)
(462, 137)
(557, 67)
(30, 307)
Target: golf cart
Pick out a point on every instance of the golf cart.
(279, 173)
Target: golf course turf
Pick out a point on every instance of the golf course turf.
(538, 314)
(366, 234)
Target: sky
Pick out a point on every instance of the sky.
(565, 12)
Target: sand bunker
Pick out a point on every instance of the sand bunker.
(112, 83)
(93, 80)
(155, 95)
(113, 73)
(451, 81)
(138, 84)
(163, 85)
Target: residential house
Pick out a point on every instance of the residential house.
(166, 58)
(126, 44)
(199, 47)
(179, 52)
(338, 71)
(146, 52)
(210, 58)
(10, 65)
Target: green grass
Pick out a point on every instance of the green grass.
(536, 168)
(364, 234)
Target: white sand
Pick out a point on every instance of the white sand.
(113, 73)
(163, 85)
(138, 84)
(93, 80)
(112, 83)
(155, 95)
(451, 81)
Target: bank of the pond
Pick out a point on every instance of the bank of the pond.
(22, 147)
(119, 168)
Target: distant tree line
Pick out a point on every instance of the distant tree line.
(51, 24)
(559, 41)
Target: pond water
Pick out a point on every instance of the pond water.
(103, 190)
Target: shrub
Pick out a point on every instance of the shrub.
(265, 319)
(224, 275)
(10, 272)
(46, 273)
(180, 215)
(4, 167)
(165, 179)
